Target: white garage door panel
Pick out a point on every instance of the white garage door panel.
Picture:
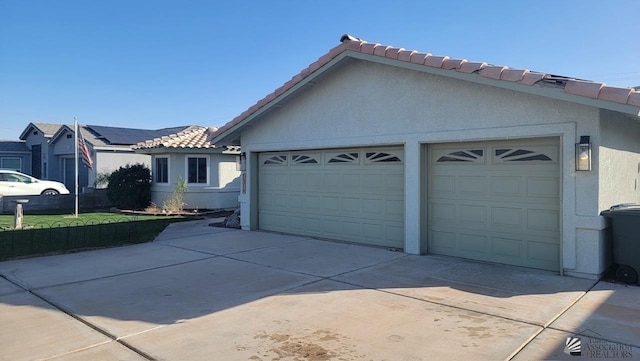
(350, 194)
(495, 201)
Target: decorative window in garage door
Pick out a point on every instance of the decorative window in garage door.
(383, 157)
(464, 155)
(529, 154)
(298, 159)
(276, 160)
(344, 158)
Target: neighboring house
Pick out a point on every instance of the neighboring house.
(15, 155)
(53, 152)
(211, 172)
(402, 149)
(36, 137)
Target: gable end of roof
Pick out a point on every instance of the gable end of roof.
(620, 99)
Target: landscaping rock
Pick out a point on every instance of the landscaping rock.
(233, 221)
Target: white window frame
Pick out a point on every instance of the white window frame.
(155, 168)
(11, 158)
(186, 168)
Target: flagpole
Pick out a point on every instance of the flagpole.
(75, 126)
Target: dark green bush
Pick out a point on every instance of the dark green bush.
(130, 187)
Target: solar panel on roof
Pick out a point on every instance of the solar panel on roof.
(127, 136)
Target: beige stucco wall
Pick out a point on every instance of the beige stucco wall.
(221, 192)
(378, 100)
(362, 103)
(619, 160)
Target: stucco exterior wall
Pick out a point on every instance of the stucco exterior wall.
(25, 160)
(221, 192)
(362, 103)
(39, 139)
(618, 160)
(363, 100)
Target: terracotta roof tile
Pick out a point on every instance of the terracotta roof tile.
(393, 52)
(583, 88)
(501, 73)
(449, 64)
(513, 74)
(470, 67)
(634, 99)
(492, 71)
(435, 61)
(614, 94)
(368, 48)
(418, 58)
(405, 55)
(353, 45)
(337, 50)
(381, 50)
(531, 78)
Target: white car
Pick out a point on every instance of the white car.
(14, 183)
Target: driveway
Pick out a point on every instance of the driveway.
(206, 293)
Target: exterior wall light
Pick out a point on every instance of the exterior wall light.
(242, 162)
(583, 154)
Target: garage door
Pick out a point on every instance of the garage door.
(495, 201)
(353, 195)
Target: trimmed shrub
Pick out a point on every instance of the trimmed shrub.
(130, 187)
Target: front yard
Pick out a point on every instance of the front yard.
(47, 234)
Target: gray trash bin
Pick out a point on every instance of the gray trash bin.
(625, 231)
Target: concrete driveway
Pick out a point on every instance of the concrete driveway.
(206, 293)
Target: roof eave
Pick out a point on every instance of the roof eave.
(112, 148)
(26, 131)
(177, 150)
(231, 136)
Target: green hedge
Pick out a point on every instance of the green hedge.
(62, 238)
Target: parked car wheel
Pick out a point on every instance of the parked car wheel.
(50, 192)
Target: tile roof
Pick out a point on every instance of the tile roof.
(192, 137)
(14, 146)
(594, 90)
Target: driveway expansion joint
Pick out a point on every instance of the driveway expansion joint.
(553, 319)
(120, 274)
(96, 328)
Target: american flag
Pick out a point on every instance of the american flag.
(84, 150)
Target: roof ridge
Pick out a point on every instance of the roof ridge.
(586, 88)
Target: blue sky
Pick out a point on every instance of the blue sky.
(154, 63)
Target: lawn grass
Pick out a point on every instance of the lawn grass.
(53, 234)
(59, 220)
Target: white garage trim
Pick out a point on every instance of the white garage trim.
(495, 201)
(351, 194)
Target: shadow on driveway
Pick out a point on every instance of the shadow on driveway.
(199, 289)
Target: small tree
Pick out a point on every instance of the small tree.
(130, 187)
(102, 180)
(175, 202)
